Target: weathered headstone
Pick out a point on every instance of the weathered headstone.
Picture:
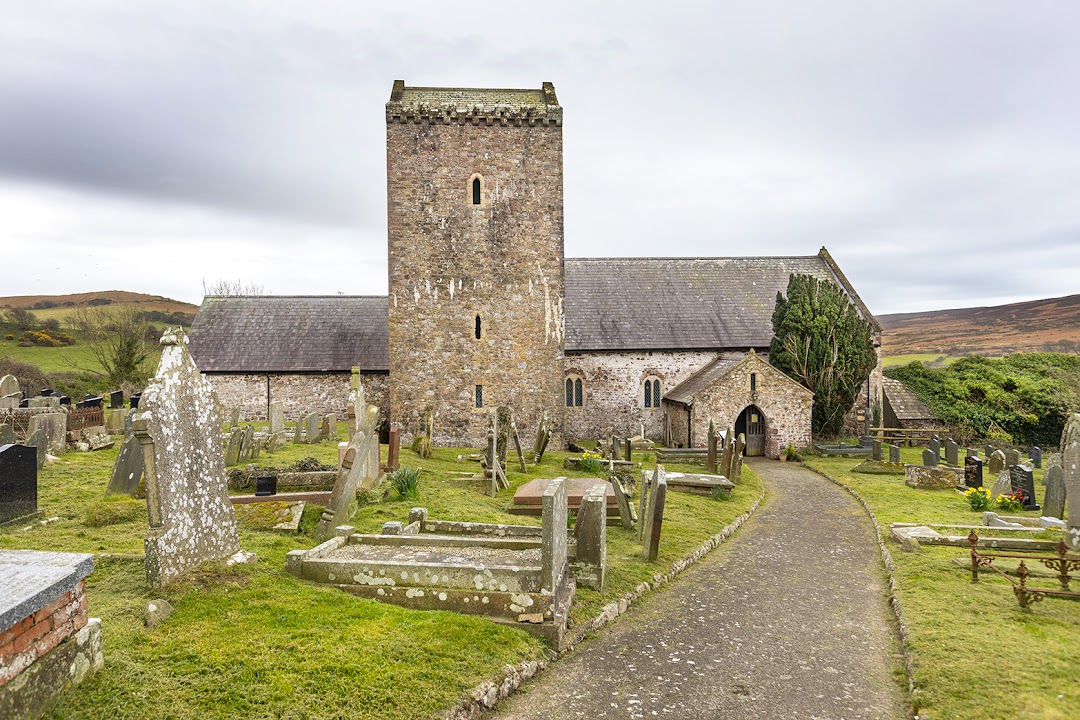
(10, 392)
(354, 475)
(628, 449)
(127, 472)
(328, 427)
(1035, 453)
(875, 452)
(655, 517)
(737, 458)
(971, 452)
(393, 449)
(247, 439)
(894, 454)
(312, 431)
(643, 502)
(40, 442)
(1012, 457)
(1022, 479)
(996, 463)
(50, 401)
(952, 453)
(7, 434)
(55, 427)
(543, 436)
(298, 431)
(1070, 465)
(626, 514)
(710, 453)
(729, 453)
(277, 417)
(232, 449)
(517, 446)
(1054, 499)
(934, 447)
(590, 531)
(553, 535)
(18, 482)
(1002, 486)
(179, 427)
(973, 471)
(929, 457)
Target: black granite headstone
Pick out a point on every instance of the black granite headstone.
(266, 485)
(116, 399)
(18, 482)
(46, 392)
(1021, 478)
(973, 471)
(65, 400)
(135, 399)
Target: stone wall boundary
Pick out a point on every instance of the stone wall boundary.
(506, 682)
(894, 599)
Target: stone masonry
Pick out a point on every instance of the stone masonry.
(298, 393)
(456, 266)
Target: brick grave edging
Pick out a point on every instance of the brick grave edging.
(894, 599)
(503, 684)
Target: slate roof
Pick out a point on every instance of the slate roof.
(703, 378)
(291, 334)
(904, 403)
(680, 303)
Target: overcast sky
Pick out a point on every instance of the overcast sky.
(933, 147)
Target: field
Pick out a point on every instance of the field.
(62, 306)
(928, 359)
(977, 655)
(255, 642)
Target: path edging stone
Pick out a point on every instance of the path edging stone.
(894, 598)
(489, 693)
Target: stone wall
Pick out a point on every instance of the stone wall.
(38, 633)
(451, 260)
(786, 405)
(300, 394)
(614, 394)
(853, 420)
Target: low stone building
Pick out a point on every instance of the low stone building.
(903, 409)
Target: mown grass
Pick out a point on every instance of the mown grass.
(976, 654)
(254, 642)
(71, 358)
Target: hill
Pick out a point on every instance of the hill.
(1051, 325)
(45, 307)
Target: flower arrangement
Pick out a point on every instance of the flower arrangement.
(591, 462)
(978, 498)
(1012, 502)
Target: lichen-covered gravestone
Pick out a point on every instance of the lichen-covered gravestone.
(654, 516)
(40, 442)
(178, 426)
(1054, 500)
(10, 392)
(1070, 465)
(277, 417)
(590, 530)
(128, 471)
(553, 536)
(356, 473)
(7, 434)
(997, 462)
(54, 425)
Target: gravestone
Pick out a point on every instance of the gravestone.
(393, 450)
(1070, 465)
(643, 502)
(247, 437)
(10, 392)
(971, 452)
(997, 462)
(628, 449)
(116, 399)
(328, 428)
(277, 417)
(543, 437)
(234, 418)
(876, 450)
(55, 427)
(1002, 486)
(517, 447)
(973, 471)
(312, 430)
(590, 531)
(1023, 480)
(929, 457)
(128, 470)
(729, 452)
(894, 454)
(298, 431)
(655, 516)
(1012, 457)
(952, 453)
(1054, 499)
(52, 401)
(354, 475)
(988, 451)
(710, 452)
(179, 427)
(18, 482)
(40, 442)
(934, 447)
(232, 450)
(7, 434)
(553, 536)
(133, 401)
(1035, 453)
(737, 459)
(626, 515)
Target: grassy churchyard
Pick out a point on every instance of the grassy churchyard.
(252, 641)
(976, 654)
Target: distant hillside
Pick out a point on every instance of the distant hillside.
(60, 306)
(1051, 325)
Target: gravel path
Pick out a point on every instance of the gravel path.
(787, 619)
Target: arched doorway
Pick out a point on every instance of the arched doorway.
(751, 423)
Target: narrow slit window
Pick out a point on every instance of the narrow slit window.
(753, 382)
(479, 396)
(476, 191)
(577, 392)
(648, 393)
(656, 393)
(569, 392)
(477, 329)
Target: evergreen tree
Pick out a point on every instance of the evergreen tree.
(820, 341)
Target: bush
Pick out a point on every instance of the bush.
(978, 498)
(591, 463)
(406, 482)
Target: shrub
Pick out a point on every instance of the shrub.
(591, 463)
(978, 498)
(406, 482)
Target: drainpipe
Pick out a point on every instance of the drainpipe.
(267, 398)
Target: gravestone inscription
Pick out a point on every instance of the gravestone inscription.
(1022, 479)
(973, 472)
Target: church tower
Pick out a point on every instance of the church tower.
(475, 241)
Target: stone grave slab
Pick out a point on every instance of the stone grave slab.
(10, 392)
(699, 484)
(737, 459)
(1002, 486)
(929, 457)
(7, 434)
(932, 477)
(590, 531)
(996, 463)
(876, 452)
(179, 427)
(952, 453)
(277, 417)
(626, 512)
(232, 449)
(528, 500)
(1012, 457)
(1035, 454)
(553, 537)
(894, 454)
(312, 428)
(18, 482)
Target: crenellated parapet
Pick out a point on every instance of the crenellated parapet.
(473, 106)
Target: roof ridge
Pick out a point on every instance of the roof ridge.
(702, 257)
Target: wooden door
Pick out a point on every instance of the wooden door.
(754, 421)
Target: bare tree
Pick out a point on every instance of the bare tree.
(230, 288)
(119, 339)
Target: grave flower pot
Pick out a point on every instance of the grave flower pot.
(782, 457)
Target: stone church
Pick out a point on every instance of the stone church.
(485, 310)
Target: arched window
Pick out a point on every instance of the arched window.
(476, 191)
(573, 391)
(652, 392)
(477, 327)
(656, 393)
(648, 393)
